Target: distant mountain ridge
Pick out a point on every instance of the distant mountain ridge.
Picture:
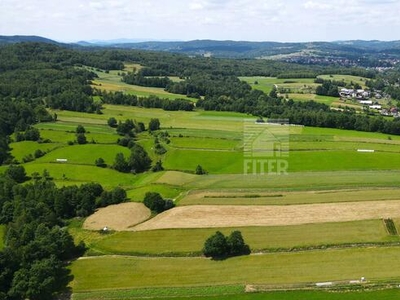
(4, 39)
(352, 49)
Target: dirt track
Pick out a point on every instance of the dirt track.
(202, 216)
(117, 217)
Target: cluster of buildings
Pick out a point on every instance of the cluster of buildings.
(393, 111)
(359, 94)
(363, 97)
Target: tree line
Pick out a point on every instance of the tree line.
(33, 263)
(151, 101)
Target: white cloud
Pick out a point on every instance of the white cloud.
(317, 5)
(196, 6)
(96, 5)
(285, 20)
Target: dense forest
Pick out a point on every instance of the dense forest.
(35, 77)
(37, 244)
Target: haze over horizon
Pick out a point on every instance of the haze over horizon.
(239, 20)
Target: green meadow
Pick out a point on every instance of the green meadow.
(266, 84)
(293, 181)
(324, 166)
(346, 78)
(22, 149)
(108, 272)
(85, 154)
(137, 193)
(303, 89)
(206, 143)
(112, 81)
(261, 197)
(189, 242)
(237, 293)
(67, 174)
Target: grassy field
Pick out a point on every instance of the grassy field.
(380, 263)
(317, 98)
(67, 174)
(190, 150)
(216, 162)
(342, 160)
(165, 293)
(324, 167)
(190, 241)
(112, 82)
(137, 193)
(224, 293)
(260, 197)
(290, 182)
(206, 143)
(266, 84)
(22, 149)
(303, 89)
(346, 78)
(85, 154)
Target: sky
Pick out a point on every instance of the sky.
(183, 20)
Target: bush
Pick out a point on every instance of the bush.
(112, 122)
(157, 167)
(80, 129)
(81, 138)
(16, 173)
(39, 153)
(154, 124)
(158, 148)
(200, 171)
(156, 203)
(100, 163)
(124, 141)
(28, 158)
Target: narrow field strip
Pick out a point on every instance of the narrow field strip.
(117, 217)
(202, 216)
(260, 197)
(276, 268)
(189, 242)
(161, 292)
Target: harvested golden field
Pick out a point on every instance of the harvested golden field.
(118, 217)
(203, 216)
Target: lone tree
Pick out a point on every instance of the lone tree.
(80, 129)
(216, 246)
(16, 173)
(236, 244)
(200, 171)
(139, 161)
(154, 124)
(81, 138)
(120, 163)
(112, 122)
(220, 246)
(100, 163)
(157, 167)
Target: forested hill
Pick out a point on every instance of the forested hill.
(349, 52)
(25, 38)
(356, 52)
